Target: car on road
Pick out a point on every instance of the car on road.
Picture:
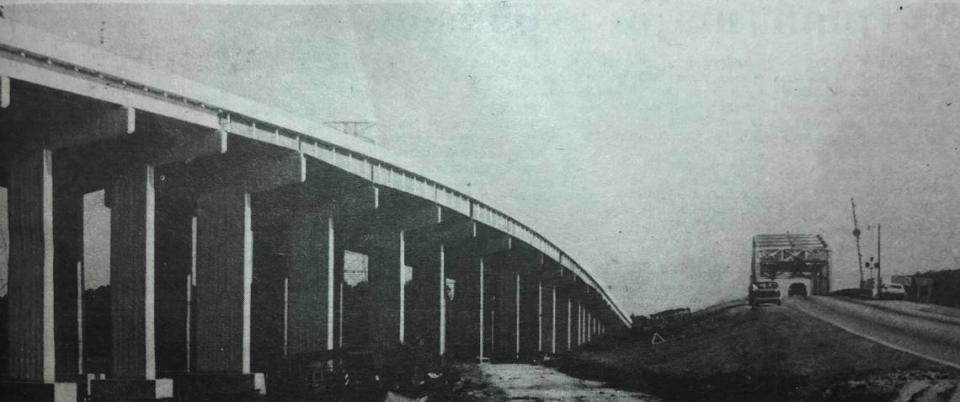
(797, 289)
(893, 291)
(763, 292)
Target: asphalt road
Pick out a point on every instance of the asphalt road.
(927, 333)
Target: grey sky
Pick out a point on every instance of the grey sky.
(650, 140)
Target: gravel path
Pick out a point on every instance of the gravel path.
(524, 382)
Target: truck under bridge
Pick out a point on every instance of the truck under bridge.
(230, 225)
(792, 258)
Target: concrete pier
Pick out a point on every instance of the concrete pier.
(31, 282)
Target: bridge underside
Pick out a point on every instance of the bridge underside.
(231, 258)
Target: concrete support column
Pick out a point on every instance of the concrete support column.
(340, 283)
(481, 329)
(505, 336)
(547, 327)
(516, 316)
(463, 324)
(224, 273)
(68, 260)
(310, 286)
(578, 324)
(223, 301)
(489, 305)
(132, 290)
(553, 320)
(272, 259)
(592, 327)
(570, 324)
(32, 364)
(561, 311)
(427, 301)
(589, 326)
(529, 310)
(540, 316)
(132, 247)
(30, 216)
(385, 266)
(583, 324)
(586, 326)
(442, 299)
(588, 321)
(577, 321)
(174, 251)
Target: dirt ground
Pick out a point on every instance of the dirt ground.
(524, 382)
(738, 353)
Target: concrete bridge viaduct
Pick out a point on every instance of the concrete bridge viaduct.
(230, 222)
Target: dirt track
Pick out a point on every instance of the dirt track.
(524, 382)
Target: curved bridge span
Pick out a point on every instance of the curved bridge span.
(242, 236)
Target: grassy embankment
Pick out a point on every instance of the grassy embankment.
(735, 353)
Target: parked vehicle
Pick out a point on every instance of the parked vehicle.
(893, 291)
(797, 289)
(764, 292)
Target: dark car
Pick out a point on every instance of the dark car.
(762, 292)
(797, 289)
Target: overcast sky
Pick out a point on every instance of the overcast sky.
(650, 140)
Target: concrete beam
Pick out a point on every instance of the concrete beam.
(157, 142)
(41, 117)
(385, 216)
(467, 237)
(326, 191)
(233, 173)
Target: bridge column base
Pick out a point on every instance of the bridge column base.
(38, 392)
(196, 387)
(131, 389)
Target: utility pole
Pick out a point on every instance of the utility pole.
(856, 234)
(878, 260)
